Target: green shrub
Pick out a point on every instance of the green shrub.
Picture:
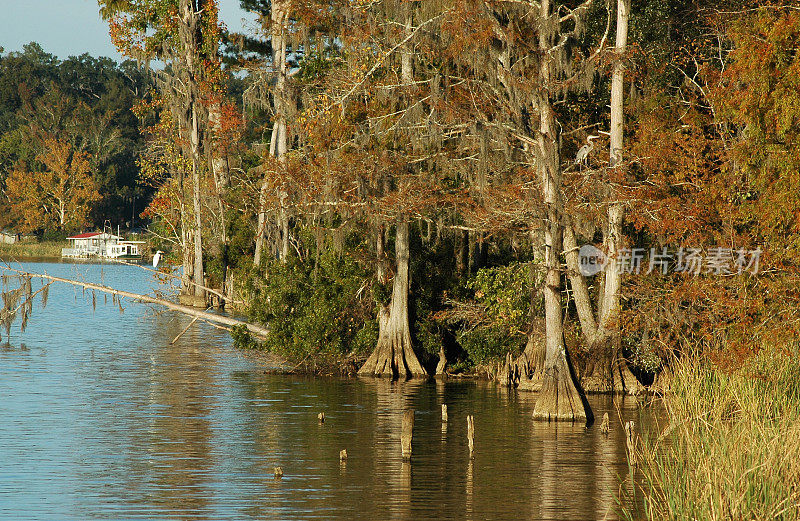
(329, 312)
(484, 344)
(495, 320)
(54, 235)
(242, 339)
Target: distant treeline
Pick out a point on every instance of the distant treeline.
(69, 140)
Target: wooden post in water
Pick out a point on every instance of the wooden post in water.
(471, 435)
(407, 433)
(605, 425)
(444, 413)
(630, 442)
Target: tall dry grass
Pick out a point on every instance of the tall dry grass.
(731, 449)
(32, 249)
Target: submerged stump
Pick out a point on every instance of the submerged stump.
(471, 435)
(407, 433)
(605, 426)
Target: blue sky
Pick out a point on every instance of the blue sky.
(72, 27)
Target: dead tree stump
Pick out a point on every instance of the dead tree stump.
(407, 433)
(441, 367)
(471, 435)
(605, 425)
(630, 442)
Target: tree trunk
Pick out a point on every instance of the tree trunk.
(187, 110)
(394, 355)
(607, 370)
(199, 271)
(261, 228)
(531, 361)
(441, 366)
(380, 253)
(609, 306)
(471, 253)
(284, 222)
(406, 67)
(559, 397)
(220, 169)
(580, 288)
(461, 252)
(279, 141)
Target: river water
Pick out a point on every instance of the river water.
(101, 418)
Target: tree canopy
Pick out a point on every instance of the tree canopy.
(84, 103)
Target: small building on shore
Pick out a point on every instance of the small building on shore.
(10, 237)
(102, 244)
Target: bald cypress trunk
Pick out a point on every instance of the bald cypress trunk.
(394, 355)
(199, 271)
(190, 111)
(559, 397)
(607, 370)
(279, 140)
(614, 369)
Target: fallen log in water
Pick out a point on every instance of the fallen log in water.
(137, 297)
(178, 277)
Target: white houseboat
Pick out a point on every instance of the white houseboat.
(102, 244)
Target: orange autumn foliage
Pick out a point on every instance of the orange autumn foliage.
(59, 194)
(717, 165)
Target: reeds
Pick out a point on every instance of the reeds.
(32, 249)
(731, 448)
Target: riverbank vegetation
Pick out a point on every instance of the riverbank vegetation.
(730, 448)
(32, 248)
(570, 196)
(388, 185)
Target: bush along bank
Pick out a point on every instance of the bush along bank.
(476, 309)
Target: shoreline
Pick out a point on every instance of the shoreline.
(348, 369)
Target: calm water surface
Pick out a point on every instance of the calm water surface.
(101, 418)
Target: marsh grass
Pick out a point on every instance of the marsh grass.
(32, 249)
(731, 448)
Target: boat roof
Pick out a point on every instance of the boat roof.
(90, 235)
